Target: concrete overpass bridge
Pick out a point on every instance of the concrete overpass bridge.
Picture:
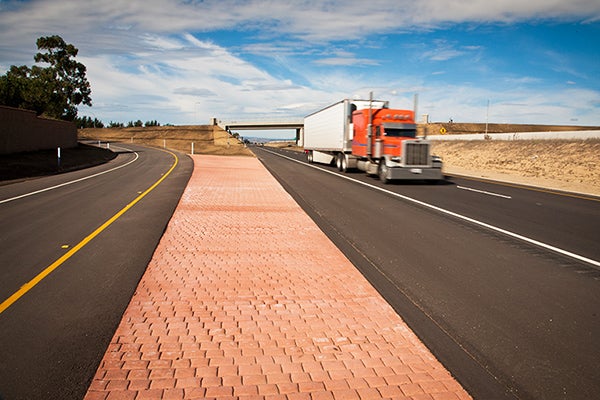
(296, 124)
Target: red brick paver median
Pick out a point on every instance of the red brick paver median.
(246, 298)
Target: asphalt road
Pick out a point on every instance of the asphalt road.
(53, 337)
(509, 318)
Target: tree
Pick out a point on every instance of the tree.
(88, 122)
(54, 91)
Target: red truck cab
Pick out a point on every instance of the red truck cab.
(389, 127)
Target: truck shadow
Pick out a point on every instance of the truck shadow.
(416, 182)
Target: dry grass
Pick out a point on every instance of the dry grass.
(572, 165)
(207, 139)
(289, 145)
(459, 128)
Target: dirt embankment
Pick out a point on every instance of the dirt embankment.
(206, 139)
(570, 165)
(461, 128)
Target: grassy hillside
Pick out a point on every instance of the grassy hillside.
(207, 139)
(572, 165)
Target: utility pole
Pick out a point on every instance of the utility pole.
(487, 116)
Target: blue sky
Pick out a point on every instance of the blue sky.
(184, 62)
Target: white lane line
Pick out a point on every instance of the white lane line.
(453, 214)
(74, 181)
(483, 192)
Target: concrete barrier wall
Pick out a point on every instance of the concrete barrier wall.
(22, 130)
(564, 135)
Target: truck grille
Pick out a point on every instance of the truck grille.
(416, 153)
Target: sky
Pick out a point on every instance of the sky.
(185, 62)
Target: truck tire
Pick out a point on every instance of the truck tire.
(382, 171)
(338, 161)
(309, 157)
(344, 164)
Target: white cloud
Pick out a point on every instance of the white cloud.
(306, 19)
(469, 104)
(194, 91)
(522, 80)
(349, 61)
(179, 84)
(444, 51)
(144, 62)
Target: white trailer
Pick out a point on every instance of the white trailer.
(329, 131)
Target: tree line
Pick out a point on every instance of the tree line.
(88, 122)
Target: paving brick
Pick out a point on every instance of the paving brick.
(165, 383)
(135, 364)
(173, 394)
(322, 396)
(246, 298)
(194, 393)
(185, 383)
(115, 374)
(411, 389)
(298, 396)
(98, 385)
(219, 391)
(392, 392)
(117, 395)
(311, 386)
(116, 385)
(349, 394)
(267, 389)
(368, 393)
(138, 384)
(149, 394)
(245, 390)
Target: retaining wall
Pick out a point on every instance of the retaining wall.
(22, 130)
(564, 135)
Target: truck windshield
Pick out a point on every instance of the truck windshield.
(409, 130)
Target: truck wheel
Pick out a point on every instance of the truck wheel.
(338, 161)
(382, 171)
(344, 164)
(309, 157)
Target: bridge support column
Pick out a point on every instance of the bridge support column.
(300, 136)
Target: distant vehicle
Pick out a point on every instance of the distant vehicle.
(369, 136)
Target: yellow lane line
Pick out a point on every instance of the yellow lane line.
(32, 283)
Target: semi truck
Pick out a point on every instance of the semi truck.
(369, 136)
